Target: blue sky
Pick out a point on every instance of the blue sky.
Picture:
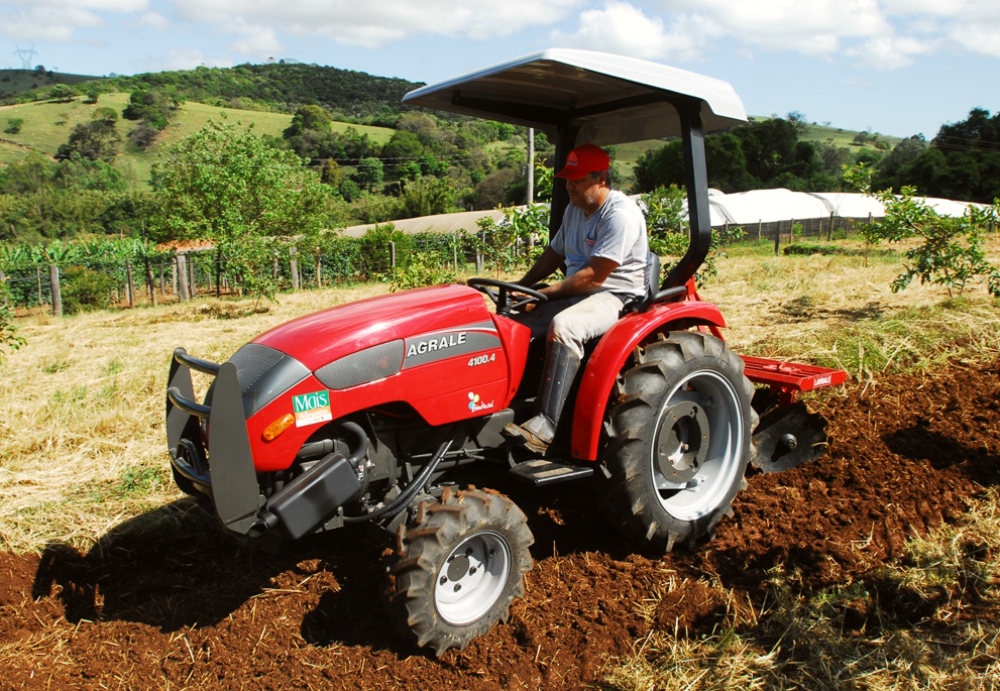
(898, 67)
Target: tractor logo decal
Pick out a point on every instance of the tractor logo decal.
(476, 404)
(311, 408)
(465, 340)
(447, 341)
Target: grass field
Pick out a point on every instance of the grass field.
(82, 450)
(48, 124)
(88, 388)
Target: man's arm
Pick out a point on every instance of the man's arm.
(548, 262)
(586, 280)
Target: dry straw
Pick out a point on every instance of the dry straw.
(81, 410)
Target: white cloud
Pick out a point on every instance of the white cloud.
(619, 28)
(189, 58)
(982, 39)
(883, 34)
(259, 41)
(889, 52)
(57, 20)
(375, 24)
(154, 20)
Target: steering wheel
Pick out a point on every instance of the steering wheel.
(503, 295)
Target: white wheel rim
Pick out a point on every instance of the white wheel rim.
(703, 493)
(472, 578)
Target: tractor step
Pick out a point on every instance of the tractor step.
(540, 472)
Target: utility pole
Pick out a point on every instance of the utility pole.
(26, 55)
(531, 165)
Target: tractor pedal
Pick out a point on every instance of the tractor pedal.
(540, 472)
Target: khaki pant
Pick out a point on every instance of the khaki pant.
(573, 321)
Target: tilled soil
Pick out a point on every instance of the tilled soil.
(164, 601)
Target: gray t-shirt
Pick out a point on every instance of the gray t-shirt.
(616, 231)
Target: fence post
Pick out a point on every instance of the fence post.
(479, 253)
(57, 307)
(293, 267)
(760, 227)
(192, 286)
(150, 282)
(454, 252)
(392, 254)
(38, 276)
(777, 238)
(131, 284)
(181, 277)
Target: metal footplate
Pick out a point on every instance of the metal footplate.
(540, 472)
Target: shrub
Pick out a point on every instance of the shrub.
(14, 125)
(85, 290)
(142, 136)
(8, 336)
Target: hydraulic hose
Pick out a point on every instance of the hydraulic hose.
(403, 500)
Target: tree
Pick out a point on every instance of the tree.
(62, 93)
(369, 174)
(893, 171)
(494, 189)
(97, 140)
(427, 196)
(225, 184)
(308, 118)
(151, 106)
(950, 251)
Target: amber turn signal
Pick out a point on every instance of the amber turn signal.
(274, 430)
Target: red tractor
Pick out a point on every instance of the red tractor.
(361, 414)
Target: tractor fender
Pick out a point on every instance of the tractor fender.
(607, 360)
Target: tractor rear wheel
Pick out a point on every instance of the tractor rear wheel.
(678, 440)
(458, 566)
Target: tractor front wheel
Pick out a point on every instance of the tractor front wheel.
(678, 440)
(458, 566)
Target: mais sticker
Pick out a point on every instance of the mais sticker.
(311, 408)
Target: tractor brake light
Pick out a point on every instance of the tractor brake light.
(276, 428)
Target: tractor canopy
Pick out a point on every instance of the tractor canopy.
(578, 96)
(608, 99)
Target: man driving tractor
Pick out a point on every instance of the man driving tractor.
(602, 241)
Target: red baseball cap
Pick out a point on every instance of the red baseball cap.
(584, 159)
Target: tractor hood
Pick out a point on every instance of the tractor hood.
(612, 99)
(318, 339)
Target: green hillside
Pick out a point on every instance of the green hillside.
(13, 82)
(48, 124)
(841, 137)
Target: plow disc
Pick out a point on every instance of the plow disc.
(787, 437)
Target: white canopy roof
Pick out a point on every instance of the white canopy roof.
(615, 99)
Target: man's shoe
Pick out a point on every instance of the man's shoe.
(535, 434)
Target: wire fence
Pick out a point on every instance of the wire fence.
(94, 283)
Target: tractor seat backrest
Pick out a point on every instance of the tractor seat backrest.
(653, 293)
(652, 275)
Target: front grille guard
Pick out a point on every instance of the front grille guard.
(232, 480)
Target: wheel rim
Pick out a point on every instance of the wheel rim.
(698, 446)
(472, 578)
